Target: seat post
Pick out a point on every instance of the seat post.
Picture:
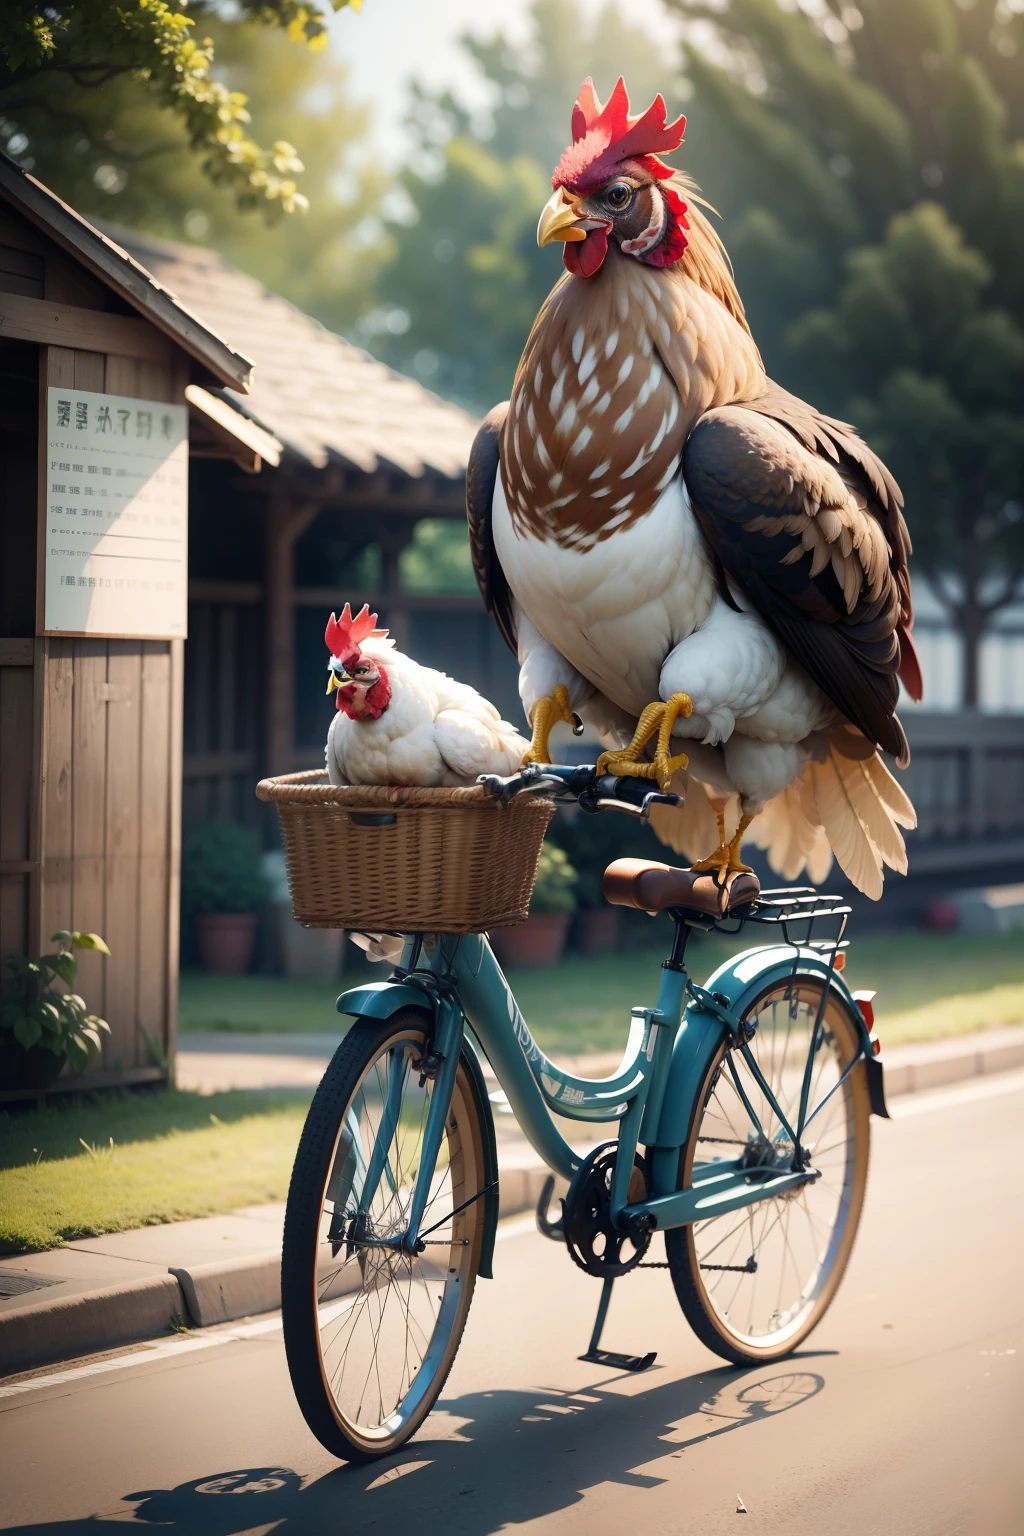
(679, 941)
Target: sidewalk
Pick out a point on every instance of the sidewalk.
(105, 1292)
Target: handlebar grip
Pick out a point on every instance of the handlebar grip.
(629, 791)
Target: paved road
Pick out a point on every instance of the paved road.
(904, 1413)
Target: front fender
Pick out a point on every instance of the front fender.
(383, 999)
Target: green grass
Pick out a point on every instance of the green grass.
(160, 1156)
(928, 986)
(128, 1160)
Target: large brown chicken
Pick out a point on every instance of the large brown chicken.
(679, 550)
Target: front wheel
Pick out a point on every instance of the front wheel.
(754, 1282)
(370, 1332)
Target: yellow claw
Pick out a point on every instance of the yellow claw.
(547, 713)
(726, 858)
(660, 717)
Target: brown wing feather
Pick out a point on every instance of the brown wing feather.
(816, 542)
(481, 478)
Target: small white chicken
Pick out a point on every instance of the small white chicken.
(400, 723)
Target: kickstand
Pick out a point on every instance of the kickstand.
(597, 1356)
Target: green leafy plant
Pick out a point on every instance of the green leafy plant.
(220, 870)
(36, 1014)
(47, 52)
(555, 889)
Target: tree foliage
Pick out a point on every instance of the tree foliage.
(118, 157)
(467, 279)
(88, 44)
(869, 160)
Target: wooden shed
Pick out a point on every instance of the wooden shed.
(363, 455)
(101, 371)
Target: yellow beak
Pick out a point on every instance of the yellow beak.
(334, 681)
(560, 219)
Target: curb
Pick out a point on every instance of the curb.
(48, 1331)
(43, 1332)
(229, 1289)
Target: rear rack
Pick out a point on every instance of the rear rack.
(797, 910)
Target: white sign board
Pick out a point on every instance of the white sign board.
(116, 516)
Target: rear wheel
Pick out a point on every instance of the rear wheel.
(754, 1282)
(370, 1332)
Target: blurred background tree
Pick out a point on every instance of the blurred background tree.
(111, 146)
(867, 157)
(458, 299)
(869, 162)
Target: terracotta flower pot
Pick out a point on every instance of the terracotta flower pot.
(34, 1068)
(598, 930)
(226, 941)
(539, 941)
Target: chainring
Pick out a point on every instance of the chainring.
(594, 1243)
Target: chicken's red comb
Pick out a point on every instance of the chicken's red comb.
(604, 136)
(345, 634)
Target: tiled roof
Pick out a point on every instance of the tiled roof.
(114, 266)
(321, 396)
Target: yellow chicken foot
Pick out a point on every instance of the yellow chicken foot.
(547, 713)
(660, 717)
(726, 858)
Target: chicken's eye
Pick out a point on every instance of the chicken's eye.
(617, 196)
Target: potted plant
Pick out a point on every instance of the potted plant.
(541, 939)
(223, 889)
(41, 1028)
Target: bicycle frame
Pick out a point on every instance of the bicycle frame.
(652, 1097)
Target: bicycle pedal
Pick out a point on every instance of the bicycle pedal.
(555, 1230)
(619, 1362)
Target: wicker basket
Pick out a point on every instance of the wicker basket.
(406, 860)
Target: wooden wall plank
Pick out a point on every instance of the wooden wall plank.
(49, 323)
(56, 370)
(56, 809)
(123, 828)
(88, 800)
(154, 871)
(90, 370)
(17, 792)
(15, 762)
(15, 938)
(177, 695)
(122, 376)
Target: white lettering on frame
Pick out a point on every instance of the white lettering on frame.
(116, 516)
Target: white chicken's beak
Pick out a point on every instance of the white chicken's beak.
(334, 680)
(560, 219)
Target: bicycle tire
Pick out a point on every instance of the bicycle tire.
(699, 1255)
(323, 1392)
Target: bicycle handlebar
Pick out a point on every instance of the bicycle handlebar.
(582, 783)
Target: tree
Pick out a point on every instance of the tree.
(935, 375)
(895, 130)
(119, 157)
(466, 280)
(81, 45)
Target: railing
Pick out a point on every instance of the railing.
(966, 776)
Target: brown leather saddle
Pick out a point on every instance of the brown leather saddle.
(652, 887)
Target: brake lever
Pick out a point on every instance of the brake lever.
(524, 782)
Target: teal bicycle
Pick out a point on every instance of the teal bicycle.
(738, 1126)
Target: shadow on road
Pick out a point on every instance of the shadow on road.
(511, 1457)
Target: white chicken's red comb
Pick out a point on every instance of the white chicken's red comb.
(345, 634)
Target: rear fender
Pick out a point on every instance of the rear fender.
(739, 982)
(745, 976)
(383, 999)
